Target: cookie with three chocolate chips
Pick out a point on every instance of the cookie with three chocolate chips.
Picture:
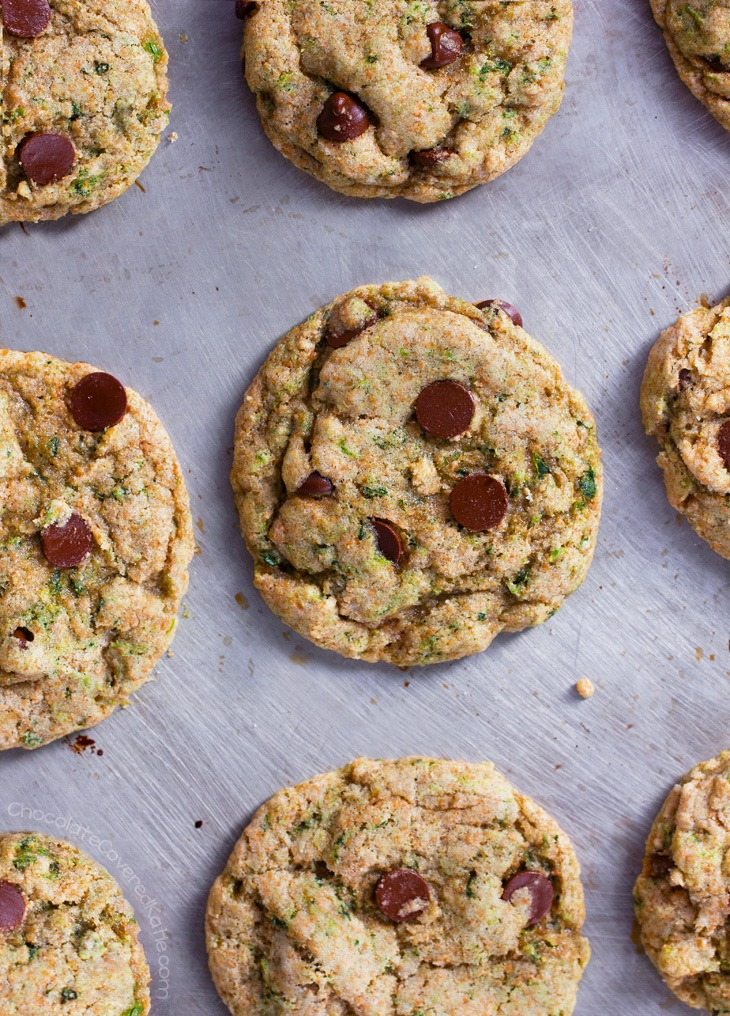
(95, 542)
(83, 86)
(422, 99)
(414, 475)
(698, 38)
(409, 886)
(69, 942)
(685, 403)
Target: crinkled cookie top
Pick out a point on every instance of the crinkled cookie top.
(686, 405)
(441, 95)
(82, 103)
(68, 938)
(682, 893)
(375, 535)
(413, 887)
(95, 540)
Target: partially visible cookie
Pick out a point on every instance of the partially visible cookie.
(685, 402)
(69, 942)
(414, 475)
(95, 542)
(422, 99)
(83, 94)
(413, 887)
(698, 37)
(681, 896)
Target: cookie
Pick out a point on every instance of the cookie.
(412, 887)
(681, 896)
(96, 538)
(698, 37)
(414, 475)
(421, 99)
(685, 403)
(83, 86)
(68, 939)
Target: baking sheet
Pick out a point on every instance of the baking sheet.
(616, 222)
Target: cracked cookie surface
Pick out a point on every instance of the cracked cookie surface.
(95, 77)
(685, 403)
(68, 939)
(295, 925)
(371, 562)
(78, 634)
(681, 896)
(698, 38)
(444, 111)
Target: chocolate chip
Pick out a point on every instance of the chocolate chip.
(502, 305)
(478, 502)
(342, 118)
(402, 895)
(429, 158)
(245, 8)
(723, 443)
(26, 18)
(446, 46)
(541, 892)
(12, 906)
(659, 865)
(46, 158)
(719, 64)
(97, 401)
(390, 541)
(339, 334)
(24, 636)
(67, 545)
(316, 485)
(685, 379)
(445, 409)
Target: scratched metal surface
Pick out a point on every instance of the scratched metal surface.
(615, 223)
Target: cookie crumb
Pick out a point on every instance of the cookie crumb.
(584, 687)
(199, 824)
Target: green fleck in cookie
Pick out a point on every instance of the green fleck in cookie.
(681, 896)
(698, 37)
(69, 941)
(95, 542)
(83, 86)
(422, 99)
(413, 887)
(414, 475)
(685, 402)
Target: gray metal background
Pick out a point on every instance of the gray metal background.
(616, 222)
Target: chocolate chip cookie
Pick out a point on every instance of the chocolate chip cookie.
(413, 887)
(698, 37)
(422, 99)
(414, 475)
(68, 939)
(685, 402)
(95, 541)
(681, 896)
(83, 87)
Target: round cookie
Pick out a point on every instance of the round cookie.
(698, 37)
(413, 476)
(681, 895)
(685, 403)
(96, 538)
(68, 939)
(422, 99)
(399, 888)
(83, 86)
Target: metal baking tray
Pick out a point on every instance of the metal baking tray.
(615, 223)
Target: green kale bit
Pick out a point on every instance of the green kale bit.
(587, 484)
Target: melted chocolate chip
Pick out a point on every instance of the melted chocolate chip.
(685, 379)
(68, 544)
(723, 443)
(429, 158)
(402, 895)
(245, 8)
(390, 541)
(46, 158)
(25, 19)
(445, 409)
(24, 636)
(342, 118)
(316, 485)
(478, 502)
(12, 906)
(659, 865)
(446, 46)
(98, 401)
(502, 305)
(338, 335)
(540, 889)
